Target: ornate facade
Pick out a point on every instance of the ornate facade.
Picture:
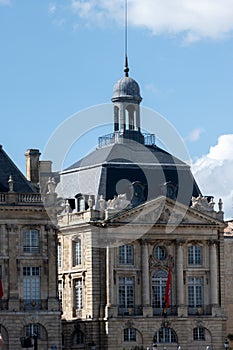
(29, 306)
(134, 214)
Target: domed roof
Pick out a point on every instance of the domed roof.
(126, 89)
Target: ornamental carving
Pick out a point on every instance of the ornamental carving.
(161, 264)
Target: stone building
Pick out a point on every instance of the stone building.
(134, 219)
(29, 305)
(228, 244)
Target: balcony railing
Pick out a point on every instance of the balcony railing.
(200, 310)
(20, 198)
(35, 304)
(29, 198)
(130, 311)
(192, 311)
(109, 139)
(171, 311)
(24, 305)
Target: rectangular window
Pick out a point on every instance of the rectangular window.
(31, 286)
(195, 255)
(195, 293)
(59, 255)
(60, 292)
(78, 294)
(126, 253)
(77, 252)
(126, 294)
(129, 334)
(159, 280)
(31, 241)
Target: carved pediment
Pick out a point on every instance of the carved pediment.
(163, 211)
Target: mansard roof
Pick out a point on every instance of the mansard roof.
(7, 169)
(122, 153)
(100, 173)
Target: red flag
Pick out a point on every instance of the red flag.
(1, 289)
(168, 289)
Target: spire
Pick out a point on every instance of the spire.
(126, 69)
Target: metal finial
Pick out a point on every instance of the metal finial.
(126, 69)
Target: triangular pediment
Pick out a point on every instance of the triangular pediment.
(163, 211)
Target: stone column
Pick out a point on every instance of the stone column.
(145, 274)
(213, 273)
(111, 309)
(147, 309)
(182, 310)
(180, 273)
(50, 267)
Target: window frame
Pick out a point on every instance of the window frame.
(126, 293)
(199, 334)
(195, 255)
(59, 255)
(195, 289)
(126, 254)
(130, 334)
(77, 252)
(31, 241)
(78, 293)
(158, 285)
(160, 252)
(165, 335)
(32, 286)
(32, 329)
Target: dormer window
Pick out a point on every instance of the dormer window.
(80, 202)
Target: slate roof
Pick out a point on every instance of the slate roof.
(7, 168)
(100, 171)
(126, 153)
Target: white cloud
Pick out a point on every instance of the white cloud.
(194, 19)
(214, 172)
(52, 8)
(5, 2)
(195, 134)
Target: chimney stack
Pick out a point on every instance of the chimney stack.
(32, 165)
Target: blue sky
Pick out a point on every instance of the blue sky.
(60, 57)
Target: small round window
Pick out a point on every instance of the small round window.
(160, 252)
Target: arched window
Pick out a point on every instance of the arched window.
(165, 335)
(199, 333)
(116, 118)
(130, 334)
(130, 117)
(159, 280)
(81, 203)
(195, 255)
(36, 329)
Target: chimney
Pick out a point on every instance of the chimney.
(32, 165)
